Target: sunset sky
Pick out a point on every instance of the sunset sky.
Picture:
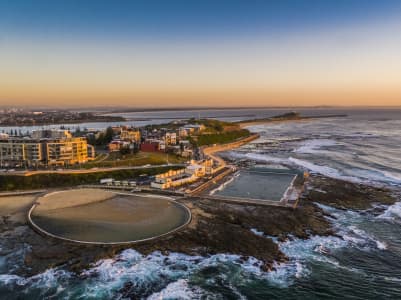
(200, 53)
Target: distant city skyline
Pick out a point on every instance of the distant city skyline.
(200, 53)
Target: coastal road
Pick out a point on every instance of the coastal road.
(212, 150)
(87, 171)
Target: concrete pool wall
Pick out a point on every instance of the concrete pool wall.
(260, 185)
(45, 232)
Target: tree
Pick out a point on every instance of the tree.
(108, 135)
(100, 139)
(77, 131)
(91, 139)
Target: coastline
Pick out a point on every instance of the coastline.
(291, 117)
(263, 122)
(65, 122)
(214, 228)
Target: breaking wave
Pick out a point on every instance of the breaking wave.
(322, 249)
(392, 213)
(314, 146)
(224, 184)
(178, 290)
(260, 157)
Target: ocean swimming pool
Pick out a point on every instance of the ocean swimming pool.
(105, 217)
(262, 184)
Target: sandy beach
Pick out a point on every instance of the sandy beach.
(14, 207)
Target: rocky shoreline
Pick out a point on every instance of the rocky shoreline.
(216, 227)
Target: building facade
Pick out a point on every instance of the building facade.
(39, 151)
(20, 152)
(66, 152)
(130, 135)
(170, 138)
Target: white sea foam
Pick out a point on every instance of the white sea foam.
(323, 170)
(321, 248)
(261, 233)
(283, 274)
(314, 146)
(7, 279)
(392, 213)
(314, 168)
(178, 290)
(224, 184)
(257, 232)
(381, 245)
(260, 157)
(146, 272)
(51, 278)
(346, 223)
(360, 238)
(372, 174)
(143, 273)
(300, 252)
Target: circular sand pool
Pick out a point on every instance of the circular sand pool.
(104, 217)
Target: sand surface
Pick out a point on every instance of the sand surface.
(15, 207)
(119, 209)
(93, 215)
(71, 198)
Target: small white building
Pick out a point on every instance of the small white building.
(176, 178)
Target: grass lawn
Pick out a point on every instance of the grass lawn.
(16, 182)
(116, 159)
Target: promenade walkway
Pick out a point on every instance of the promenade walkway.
(86, 171)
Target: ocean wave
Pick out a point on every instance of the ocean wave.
(363, 174)
(178, 290)
(392, 213)
(130, 274)
(157, 274)
(323, 170)
(314, 146)
(284, 274)
(257, 232)
(300, 253)
(322, 249)
(358, 176)
(52, 282)
(346, 225)
(260, 157)
(318, 249)
(261, 233)
(376, 175)
(224, 184)
(360, 238)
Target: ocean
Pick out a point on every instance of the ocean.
(363, 261)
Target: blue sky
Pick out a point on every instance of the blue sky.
(172, 18)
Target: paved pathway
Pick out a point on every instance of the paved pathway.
(86, 171)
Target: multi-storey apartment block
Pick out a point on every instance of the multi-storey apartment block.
(39, 151)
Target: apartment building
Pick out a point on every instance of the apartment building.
(20, 152)
(170, 138)
(44, 150)
(64, 152)
(131, 135)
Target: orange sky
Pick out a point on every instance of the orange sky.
(359, 65)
